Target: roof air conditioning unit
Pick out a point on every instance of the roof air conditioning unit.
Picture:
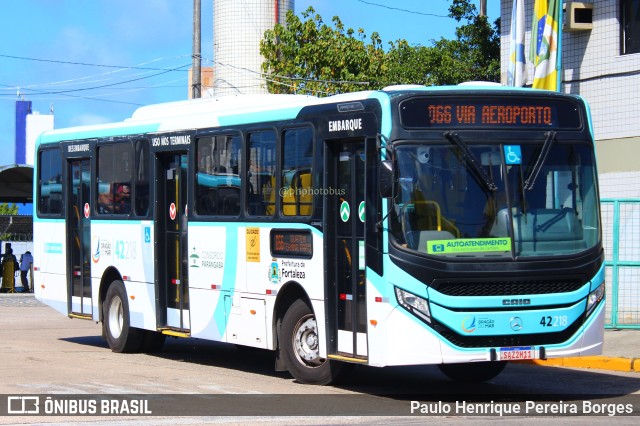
(578, 16)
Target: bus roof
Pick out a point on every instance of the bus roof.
(200, 113)
(232, 110)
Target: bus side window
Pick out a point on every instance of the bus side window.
(297, 159)
(114, 179)
(261, 173)
(50, 182)
(141, 168)
(217, 177)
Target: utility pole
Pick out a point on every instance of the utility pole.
(483, 7)
(196, 86)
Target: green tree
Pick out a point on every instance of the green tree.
(312, 57)
(8, 209)
(473, 55)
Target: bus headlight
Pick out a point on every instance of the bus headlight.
(414, 304)
(594, 298)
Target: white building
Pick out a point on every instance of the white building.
(601, 63)
(36, 124)
(238, 27)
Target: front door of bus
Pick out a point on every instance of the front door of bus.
(344, 221)
(79, 237)
(172, 249)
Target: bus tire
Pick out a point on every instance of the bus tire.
(299, 341)
(473, 372)
(121, 337)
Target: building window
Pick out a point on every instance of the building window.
(630, 26)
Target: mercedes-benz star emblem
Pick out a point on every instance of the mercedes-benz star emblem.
(516, 323)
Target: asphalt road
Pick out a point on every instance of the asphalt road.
(45, 353)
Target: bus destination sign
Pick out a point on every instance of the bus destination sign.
(522, 112)
(291, 243)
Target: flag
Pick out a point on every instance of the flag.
(546, 72)
(517, 73)
(540, 8)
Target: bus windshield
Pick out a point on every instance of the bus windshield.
(515, 199)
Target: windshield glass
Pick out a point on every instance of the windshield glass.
(461, 200)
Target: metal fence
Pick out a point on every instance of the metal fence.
(621, 238)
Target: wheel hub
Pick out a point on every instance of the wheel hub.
(306, 341)
(116, 317)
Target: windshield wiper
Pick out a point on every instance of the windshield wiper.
(531, 180)
(471, 160)
(555, 219)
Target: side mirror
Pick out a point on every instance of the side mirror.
(385, 176)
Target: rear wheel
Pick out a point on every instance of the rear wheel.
(117, 329)
(300, 344)
(473, 372)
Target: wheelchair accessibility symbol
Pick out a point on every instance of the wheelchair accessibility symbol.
(512, 154)
(438, 248)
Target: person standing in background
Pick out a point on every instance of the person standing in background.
(26, 261)
(9, 267)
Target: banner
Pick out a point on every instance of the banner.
(546, 72)
(517, 73)
(540, 8)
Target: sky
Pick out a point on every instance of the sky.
(96, 61)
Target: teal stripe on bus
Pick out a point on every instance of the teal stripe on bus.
(260, 116)
(79, 133)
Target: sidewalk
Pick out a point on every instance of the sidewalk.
(621, 347)
(621, 353)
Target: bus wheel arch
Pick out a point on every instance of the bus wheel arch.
(109, 276)
(116, 318)
(298, 339)
(287, 294)
(139, 340)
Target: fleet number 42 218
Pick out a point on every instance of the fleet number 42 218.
(554, 321)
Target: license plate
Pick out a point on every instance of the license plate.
(515, 353)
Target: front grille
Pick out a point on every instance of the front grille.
(507, 287)
(539, 339)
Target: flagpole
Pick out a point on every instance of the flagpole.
(559, 60)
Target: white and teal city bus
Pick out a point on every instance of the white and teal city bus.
(457, 226)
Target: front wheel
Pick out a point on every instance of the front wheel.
(300, 344)
(117, 329)
(473, 372)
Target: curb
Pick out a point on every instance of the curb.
(627, 365)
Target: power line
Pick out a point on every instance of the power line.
(264, 75)
(87, 64)
(80, 97)
(403, 10)
(42, 92)
(108, 73)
